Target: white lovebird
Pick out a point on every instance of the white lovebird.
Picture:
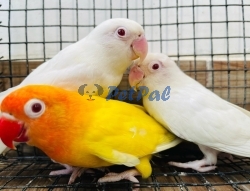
(100, 58)
(191, 111)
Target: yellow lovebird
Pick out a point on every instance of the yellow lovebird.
(74, 130)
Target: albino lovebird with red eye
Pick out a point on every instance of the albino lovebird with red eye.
(192, 112)
(98, 60)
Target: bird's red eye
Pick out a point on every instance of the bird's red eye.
(36, 107)
(121, 32)
(155, 66)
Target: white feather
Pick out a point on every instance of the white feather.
(194, 113)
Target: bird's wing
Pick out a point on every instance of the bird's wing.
(140, 107)
(70, 78)
(202, 117)
(113, 156)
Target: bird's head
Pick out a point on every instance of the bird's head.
(153, 69)
(123, 40)
(23, 110)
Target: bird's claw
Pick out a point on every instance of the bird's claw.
(126, 175)
(68, 170)
(198, 165)
(77, 172)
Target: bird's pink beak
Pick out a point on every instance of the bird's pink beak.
(136, 75)
(140, 48)
(11, 130)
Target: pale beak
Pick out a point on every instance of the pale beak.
(140, 47)
(136, 75)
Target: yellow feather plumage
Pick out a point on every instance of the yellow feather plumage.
(78, 132)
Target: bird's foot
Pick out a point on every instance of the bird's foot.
(126, 175)
(77, 172)
(68, 170)
(199, 165)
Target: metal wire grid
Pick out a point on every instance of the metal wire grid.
(27, 173)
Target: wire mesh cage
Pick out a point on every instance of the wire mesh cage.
(208, 39)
